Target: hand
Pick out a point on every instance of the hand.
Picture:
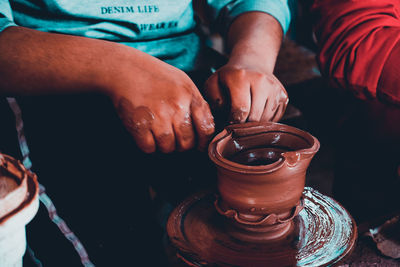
(161, 107)
(251, 94)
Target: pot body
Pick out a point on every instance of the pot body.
(261, 170)
(260, 194)
(19, 206)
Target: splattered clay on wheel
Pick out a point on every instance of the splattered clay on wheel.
(324, 233)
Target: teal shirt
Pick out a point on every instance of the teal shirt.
(161, 28)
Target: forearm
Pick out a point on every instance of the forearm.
(254, 40)
(254, 93)
(158, 103)
(34, 62)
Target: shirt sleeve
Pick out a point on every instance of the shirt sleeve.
(224, 12)
(355, 39)
(6, 17)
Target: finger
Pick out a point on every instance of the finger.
(240, 95)
(282, 107)
(270, 109)
(213, 91)
(184, 132)
(278, 98)
(279, 113)
(138, 121)
(259, 96)
(283, 102)
(164, 135)
(145, 141)
(203, 122)
(284, 98)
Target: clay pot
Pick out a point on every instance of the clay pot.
(19, 203)
(261, 170)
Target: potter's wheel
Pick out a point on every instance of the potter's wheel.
(323, 234)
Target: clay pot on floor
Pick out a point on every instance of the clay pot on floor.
(261, 170)
(19, 203)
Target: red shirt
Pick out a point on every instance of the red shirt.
(359, 46)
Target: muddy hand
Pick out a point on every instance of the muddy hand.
(163, 109)
(251, 95)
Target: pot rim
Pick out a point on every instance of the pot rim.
(289, 158)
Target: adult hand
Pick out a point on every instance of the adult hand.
(159, 104)
(251, 95)
(161, 107)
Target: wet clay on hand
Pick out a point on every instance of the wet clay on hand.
(250, 95)
(160, 105)
(246, 85)
(140, 123)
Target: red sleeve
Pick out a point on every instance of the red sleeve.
(355, 39)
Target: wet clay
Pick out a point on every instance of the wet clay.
(261, 170)
(239, 115)
(13, 185)
(18, 205)
(186, 128)
(258, 156)
(185, 134)
(7, 185)
(138, 120)
(321, 235)
(261, 214)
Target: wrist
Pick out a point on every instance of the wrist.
(254, 39)
(116, 71)
(252, 61)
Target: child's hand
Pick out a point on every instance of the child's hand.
(251, 94)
